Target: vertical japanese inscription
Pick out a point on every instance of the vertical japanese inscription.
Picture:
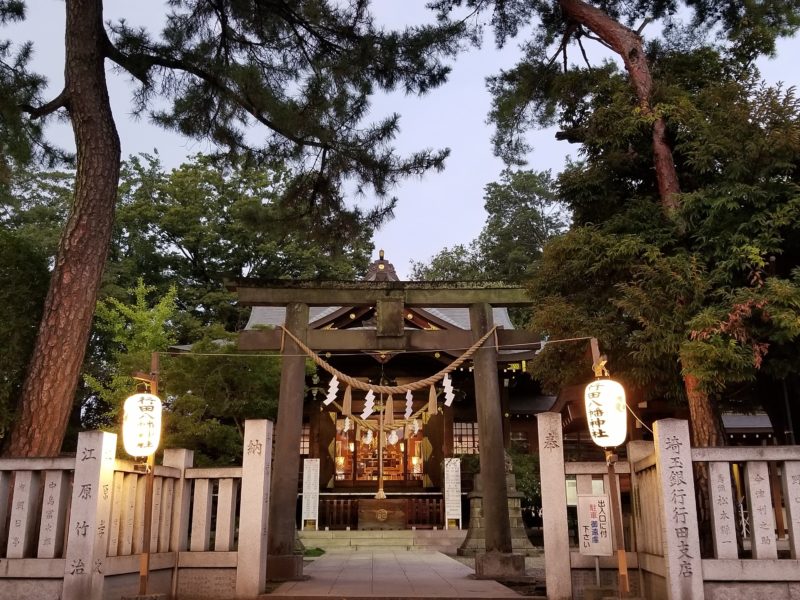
(682, 542)
(90, 512)
(762, 519)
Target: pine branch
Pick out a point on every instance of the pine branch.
(47, 108)
(139, 65)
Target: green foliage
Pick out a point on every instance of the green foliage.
(209, 393)
(21, 140)
(457, 263)
(548, 86)
(522, 214)
(209, 220)
(526, 474)
(714, 294)
(23, 285)
(302, 70)
(35, 205)
(135, 330)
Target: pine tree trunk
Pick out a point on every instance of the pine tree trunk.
(49, 388)
(628, 44)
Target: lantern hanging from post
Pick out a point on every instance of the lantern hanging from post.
(141, 424)
(606, 412)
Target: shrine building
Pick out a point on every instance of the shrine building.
(400, 447)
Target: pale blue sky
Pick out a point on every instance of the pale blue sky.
(440, 209)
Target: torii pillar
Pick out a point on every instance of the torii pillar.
(498, 561)
(282, 562)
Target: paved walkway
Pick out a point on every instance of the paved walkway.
(389, 574)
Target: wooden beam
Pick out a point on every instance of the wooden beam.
(411, 293)
(343, 340)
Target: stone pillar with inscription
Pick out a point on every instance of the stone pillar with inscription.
(251, 569)
(283, 563)
(791, 498)
(684, 572)
(22, 524)
(90, 513)
(554, 507)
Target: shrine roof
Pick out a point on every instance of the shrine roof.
(381, 273)
(457, 317)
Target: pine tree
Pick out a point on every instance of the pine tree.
(299, 72)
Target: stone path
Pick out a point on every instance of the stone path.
(389, 574)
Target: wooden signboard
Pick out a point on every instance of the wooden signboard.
(452, 492)
(310, 493)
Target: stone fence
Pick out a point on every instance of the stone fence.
(73, 528)
(751, 553)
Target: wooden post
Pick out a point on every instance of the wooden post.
(251, 567)
(554, 507)
(616, 521)
(283, 564)
(90, 514)
(144, 558)
(490, 434)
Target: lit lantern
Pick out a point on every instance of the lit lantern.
(141, 424)
(606, 412)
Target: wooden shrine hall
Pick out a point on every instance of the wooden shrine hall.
(387, 436)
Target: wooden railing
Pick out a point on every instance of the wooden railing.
(425, 513)
(341, 513)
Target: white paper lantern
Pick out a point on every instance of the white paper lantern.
(141, 424)
(606, 412)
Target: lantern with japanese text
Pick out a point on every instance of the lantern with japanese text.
(141, 424)
(606, 412)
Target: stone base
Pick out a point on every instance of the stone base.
(287, 567)
(498, 565)
(599, 592)
(475, 542)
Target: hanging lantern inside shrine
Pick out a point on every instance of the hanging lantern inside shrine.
(141, 424)
(606, 412)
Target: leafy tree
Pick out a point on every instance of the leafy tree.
(712, 296)
(136, 329)
(23, 284)
(456, 263)
(209, 220)
(34, 205)
(530, 93)
(646, 114)
(302, 72)
(522, 214)
(209, 396)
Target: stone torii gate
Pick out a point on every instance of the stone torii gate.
(389, 298)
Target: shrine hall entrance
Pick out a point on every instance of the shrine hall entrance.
(357, 457)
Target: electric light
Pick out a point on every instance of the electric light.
(606, 412)
(141, 424)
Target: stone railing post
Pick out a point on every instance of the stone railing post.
(251, 569)
(684, 571)
(554, 507)
(89, 516)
